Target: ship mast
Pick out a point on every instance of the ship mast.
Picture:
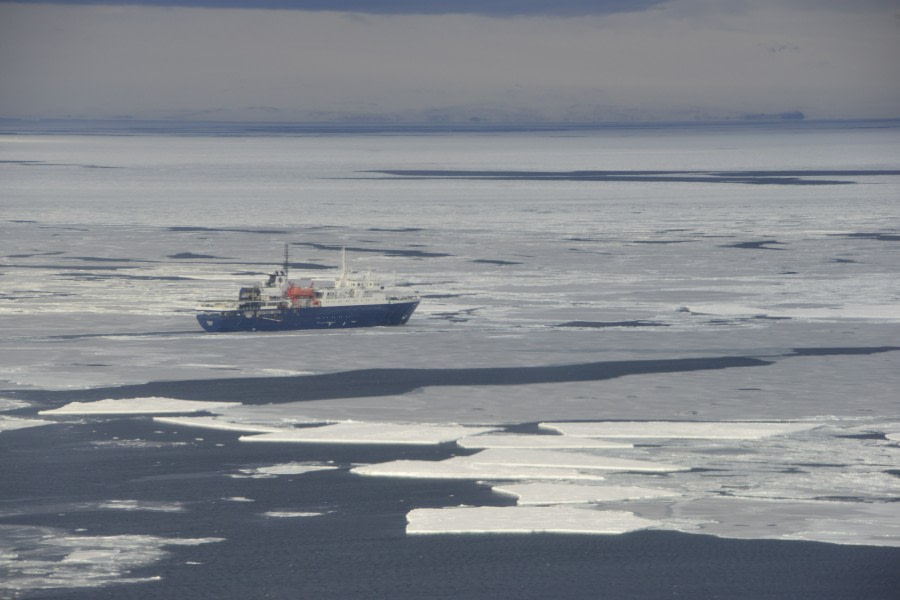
(286, 261)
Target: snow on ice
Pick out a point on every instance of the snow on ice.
(283, 469)
(677, 429)
(567, 493)
(10, 423)
(522, 520)
(371, 433)
(30, 558)
(511, 440)
(137, 406)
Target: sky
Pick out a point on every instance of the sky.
(450, 60)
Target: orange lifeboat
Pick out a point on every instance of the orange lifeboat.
(295, 293)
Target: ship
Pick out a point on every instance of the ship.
(279, 304)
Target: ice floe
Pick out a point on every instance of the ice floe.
(515, 464)
(522, 520)
(142, 505)
(135, 444)
(819, 480)
(137, 406)
(218, 423)
(877, 525)
(854, 523)
(40, 558)
(462, 468)
(567, 493)
(10, 423)
(352, 432)
(11, 404)
(849, 310)
(568, 460)
(894, 437)
(512, 440)
(291, 514)
(292, 468)
(726, 430)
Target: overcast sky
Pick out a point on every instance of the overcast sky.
(413, 60)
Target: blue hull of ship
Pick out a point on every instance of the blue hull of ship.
(331, 317)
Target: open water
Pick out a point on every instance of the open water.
(735, 276)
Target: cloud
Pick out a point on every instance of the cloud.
(494, 8)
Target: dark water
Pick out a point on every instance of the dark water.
(395, 381)
(380, 382)
(358, 548)
(730, 177)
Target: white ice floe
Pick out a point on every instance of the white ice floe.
(512, 440)
(135, 444)
(291, 468)
(853, 523)
(138, 406)
(522, 519)
(11, 404)
(463, 468)
(568, 460)
(881, 312)
(10, 423)
(894, 437)
(142, 505)
(727, 430)
(40, 558)
(218, 423)
(877, 525)
(290, 514)
(567, 493)
(352, 432)
(516, 464)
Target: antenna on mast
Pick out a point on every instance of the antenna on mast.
(286, 260)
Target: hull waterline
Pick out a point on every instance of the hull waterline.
(337, 317)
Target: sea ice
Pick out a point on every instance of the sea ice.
(568, 460)
(142, 505)
(678, 429)
(880, 527)
(566, 493)
(135, 443)
(10, 423)
(352, 432)
(39, 558)
(292, 468)
(462, 468)
(11, 404)
(880, 312)
(854, 523)
(522, 519)
(218, 423)
(512, 440)
(127, 406)
(287, 514)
